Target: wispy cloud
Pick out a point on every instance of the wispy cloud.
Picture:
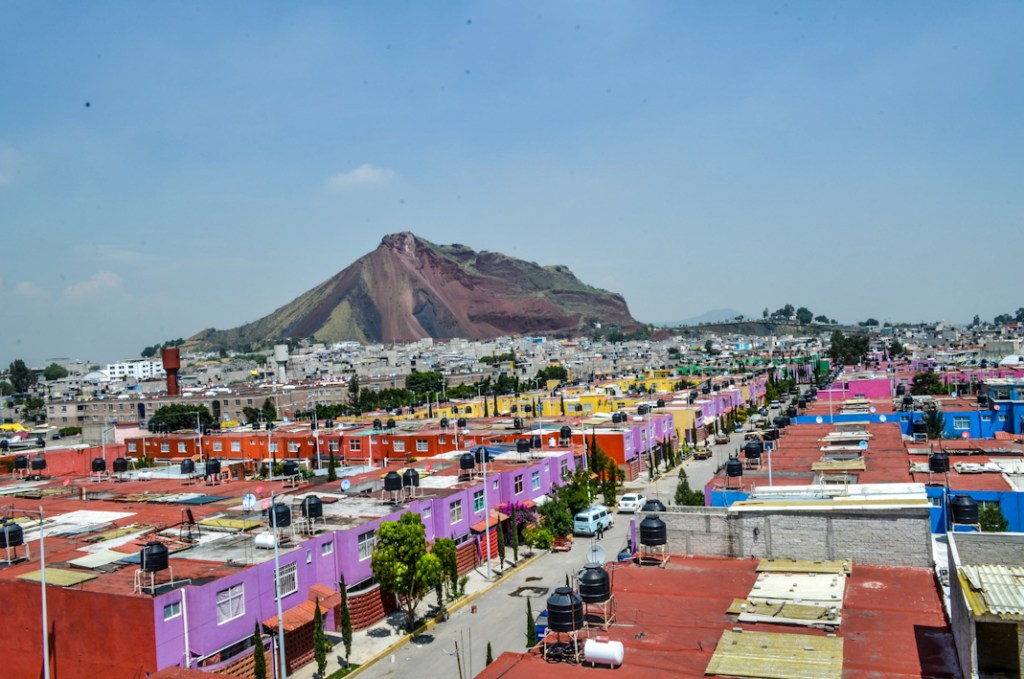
(27, 288)
(104, 281)
(111, 253)
(364, 175)
(7, 162)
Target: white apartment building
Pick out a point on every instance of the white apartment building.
(139, 369)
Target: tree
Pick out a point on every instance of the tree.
(896, 348)
(34, 408)
(332, 473)
(925, 383)
(446, 550)
(269, 411)
(353, 392)
(531, 626)
(552, 372)
(685, 495)
(320, 643)
(402, 565)
(346, 618)
(501, 546)
(868, 322)
(513, 526)
(424, 383)
(1002, 319)
(804, 315)
(259, 666)
(991, 519)
(490, 655)
(935, 423)
(821, 319)
(976, 321)
(764, 314)
(54, 371)
(180, 416)
(21, 378)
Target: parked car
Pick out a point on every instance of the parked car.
(774, 404)
(702, 453)
(721, 440)
(588, 521)
(631, 502)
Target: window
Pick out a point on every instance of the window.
(496, 485)
(565, 467)
(399, 446)
(518, 486)
(986, 418)
(455, 512)
(293, 446)
(478, 502)
(131, 446)
(218, 446)
(366, 542)
(426, 512)
(273, 446)
(421, 445)
(172, 610)
(961, 423)
(354, 445)
(332, 446)
(442, 440)
(535, 481)
(1002, 418)
(230, 603)
(326, 548)
(288, 578)
(165, 447)
(182, 447)
(236, 446)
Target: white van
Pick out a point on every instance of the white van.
(587, 521)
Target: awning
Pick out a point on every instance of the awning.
(302, 613)
(495, 518)
(328, 597)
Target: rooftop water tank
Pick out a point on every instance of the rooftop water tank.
(643, 409)
(770, 434)
(444, 423)
(517, 422)
(481, 455)
(908, 400)
(411, 477)
(264, 541)
(753, 449)
(392, 481)
(467, 462)
(965, 510)
(120, 465)
(653, 532)
(289, 467)
(280, 515)
(11, 535)
(38, 463)
(653, 505)
(734, 468)
(565, 611)
(21, 462)
(153, 557)
(390, 424)
(983, 399)
(594, 583)
(535, 441)
(99, 465)
(461, 423)
(938, 462)
(565, 433)
(522, 446)
(791, 411)
(919, 427)
(801, 403)
(377, 424)
(188, 467)
(312, 507)
(212, 467)
(660, 403)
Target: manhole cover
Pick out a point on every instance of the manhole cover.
(529, 591)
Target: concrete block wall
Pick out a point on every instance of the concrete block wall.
(877, 537)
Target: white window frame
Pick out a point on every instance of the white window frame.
(236, 446)
(230, 603)
(517, 484)
(422, 446)
(961, 422)
(293, 446)
(131, 446)
(218, 446)
(355, 445)
(478, 501)
(399, 445)
(165, 447)
(455, 512)
(366, 541)
(289, 579)
(326, 548)
(182, 447)
(426, 512)
(535, 480)
(172, 610)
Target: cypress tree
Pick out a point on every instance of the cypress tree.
(259, 668)
(332, 475)
(501, 546)
(490, 656)
(531, 626)
(320, 643)
(515, 533)
(346, 618)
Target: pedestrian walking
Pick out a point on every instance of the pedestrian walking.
(600, 531)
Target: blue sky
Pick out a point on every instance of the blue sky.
(166, 167)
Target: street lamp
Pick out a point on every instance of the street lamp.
(42, 588)
(277, 591)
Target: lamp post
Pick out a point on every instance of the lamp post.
(277, 592)
(42, 589)
(487, 515)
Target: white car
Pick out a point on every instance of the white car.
(631, 502)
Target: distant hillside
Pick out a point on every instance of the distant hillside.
(712, 316)
(409, 288)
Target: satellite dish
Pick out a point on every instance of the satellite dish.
(882, 418)
(863, 445)
(873, 409)
(345, 484)
(596, 554)
(819, 419)
(248, 502)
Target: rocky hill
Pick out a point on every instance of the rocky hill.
(409, 288)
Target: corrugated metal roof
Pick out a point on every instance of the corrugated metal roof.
(1000, 587)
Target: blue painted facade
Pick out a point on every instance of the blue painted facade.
(979, 424)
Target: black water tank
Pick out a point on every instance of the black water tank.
(467, 461)
(411, 477)
(983, 399)
(99, 465)
(565, 433)
(481, 455)
(517, 422)
(901, 389)
(522, 446)
(392, 481)
(461, 423)
(535, 441)
(11, 535)
(643, 409)
(329, 424)
(753, 449)
(770, 434)
(21, 462)
(779, 421)
(594, 583)
(653, 531)
(289, 467)
(660, 403)
(653, 505)
(965, 510)
(120, 465)
(188, 467)
(312, 507)
(391, 424)
(908, 400)
(791, 411)
(444, 423)
(38, 463)
(734, 468)
(212, 467)
(920, 427)
(565, 611)
(801, 403)
(938, 462)
(280, 515)
(377, 424)
(153, 557)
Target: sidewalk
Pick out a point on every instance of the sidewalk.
(377, 642)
